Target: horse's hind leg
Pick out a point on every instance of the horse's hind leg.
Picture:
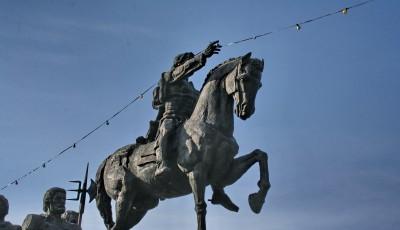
(135, 215)
(103, 202)
(240, 166)
(124, 202)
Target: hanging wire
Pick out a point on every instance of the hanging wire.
(75, 144)
(298, 27)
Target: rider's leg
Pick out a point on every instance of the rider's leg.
(166, 129)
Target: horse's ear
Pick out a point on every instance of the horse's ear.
(246, 57)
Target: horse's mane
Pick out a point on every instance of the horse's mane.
(210, 74)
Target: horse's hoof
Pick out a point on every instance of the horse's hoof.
(224, 200)
(256, 202)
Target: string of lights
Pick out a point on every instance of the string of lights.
(297, 26)
(75, 144)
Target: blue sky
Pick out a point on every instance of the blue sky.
(327, 113)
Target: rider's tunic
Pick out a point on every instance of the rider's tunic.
(178, 98)
(178, 95)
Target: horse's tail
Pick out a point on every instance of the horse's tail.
(103, 201)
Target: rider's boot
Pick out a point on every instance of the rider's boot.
(220, 197)
(163, 167)
(163, 147)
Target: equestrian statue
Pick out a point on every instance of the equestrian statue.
(189, 146)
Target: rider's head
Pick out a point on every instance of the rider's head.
(54, 201)
(3, 207)
(181, 58)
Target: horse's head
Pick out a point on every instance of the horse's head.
(243, 84)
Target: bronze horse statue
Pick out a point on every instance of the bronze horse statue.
(204, 149)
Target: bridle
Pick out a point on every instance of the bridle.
(235, 86)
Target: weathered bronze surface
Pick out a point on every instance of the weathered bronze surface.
(199, 147)
(54, 207)
(70, 216)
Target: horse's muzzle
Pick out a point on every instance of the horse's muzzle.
(244, 111)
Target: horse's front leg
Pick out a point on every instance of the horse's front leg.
(240, 166)
(198, 184)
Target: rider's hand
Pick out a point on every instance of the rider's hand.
(213, 48)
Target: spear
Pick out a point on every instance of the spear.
(81, 194)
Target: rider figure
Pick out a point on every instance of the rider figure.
(175, 98)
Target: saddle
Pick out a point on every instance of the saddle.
(147, 154)
(147, 151)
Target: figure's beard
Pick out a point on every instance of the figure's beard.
(57, 210)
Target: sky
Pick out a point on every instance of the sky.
(327, 113)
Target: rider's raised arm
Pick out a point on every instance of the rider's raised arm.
(193, 64)
(188, 67)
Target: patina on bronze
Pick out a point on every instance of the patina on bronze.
(54, 207)
(176, 100)
(5, 225)
(70, 216)
(201, 151)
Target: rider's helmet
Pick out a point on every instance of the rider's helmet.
(181, 58)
